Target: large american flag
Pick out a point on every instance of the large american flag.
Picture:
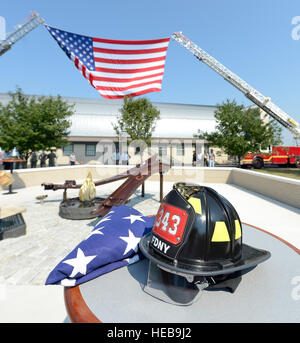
(112, 244)
(116, 68)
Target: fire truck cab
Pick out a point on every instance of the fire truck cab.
(279, 155)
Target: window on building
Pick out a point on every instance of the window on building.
(67, 149)
(180, 149)
(90, 150)
(162, 150)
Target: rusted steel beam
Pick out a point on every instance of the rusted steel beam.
(135, 177)
(124, 192)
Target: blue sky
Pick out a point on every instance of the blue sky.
(252, 38)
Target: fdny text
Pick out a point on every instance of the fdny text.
(159, 244)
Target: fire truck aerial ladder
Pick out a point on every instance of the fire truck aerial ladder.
(252, 94)
(31, 23)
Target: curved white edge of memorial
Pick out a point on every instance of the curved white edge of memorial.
(279, 188)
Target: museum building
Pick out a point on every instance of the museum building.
(93, 139)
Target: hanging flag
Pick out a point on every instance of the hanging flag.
(116, 68)
(113, 243)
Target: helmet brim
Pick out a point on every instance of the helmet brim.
(250, 257)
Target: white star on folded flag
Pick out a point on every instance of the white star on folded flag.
(79, 263)
(133, 218)
(132, 242)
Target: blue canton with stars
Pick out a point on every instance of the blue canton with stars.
(113, 243)
(78, 45)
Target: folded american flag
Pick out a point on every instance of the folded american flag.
(113, 243)
(116, 68)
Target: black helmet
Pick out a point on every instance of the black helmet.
(197, 233)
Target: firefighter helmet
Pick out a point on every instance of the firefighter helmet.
(197, 233)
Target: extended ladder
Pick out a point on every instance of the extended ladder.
(22, 30)
(256, 97)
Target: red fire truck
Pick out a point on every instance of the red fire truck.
(280, 155)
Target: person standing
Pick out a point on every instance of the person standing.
(72, 159)
(205, 158)
(51, 158)
(211, 158)
(43, 157)
(15, 153)
(33, 159)
(194, 159)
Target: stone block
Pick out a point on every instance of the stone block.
(12, 223)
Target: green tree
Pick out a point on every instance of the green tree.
(138, 119)
(240, 130)
(32, 123)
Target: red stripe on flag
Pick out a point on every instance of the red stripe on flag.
(83, 70)
(91, 79)
(144, 60)
(127, 71)
(110, 79)
(131, 42)
(76, 62)
(129, 52)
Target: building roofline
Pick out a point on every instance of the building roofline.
(104, 101)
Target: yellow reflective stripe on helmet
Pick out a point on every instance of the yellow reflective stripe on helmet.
(238, 231)
(196, 203)
(220, 233)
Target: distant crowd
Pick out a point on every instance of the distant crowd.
(42, 160)
(204, 158)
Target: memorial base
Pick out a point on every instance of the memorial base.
(75, 209)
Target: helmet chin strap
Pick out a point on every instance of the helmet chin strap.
(230, 281)
(201, 282)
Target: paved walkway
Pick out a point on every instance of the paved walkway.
(27, 260)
